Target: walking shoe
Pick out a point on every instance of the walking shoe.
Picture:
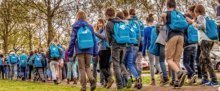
(176, 84)
(68, 81)
(204, 81)
(181, 77)
(74, 81)
(129, 83)
(153, 82)
(164, 82)
(193, 79)
(109, 84)
(55, 82)
(172, 83)
(139, 83)
(211, 83)
(93, 85)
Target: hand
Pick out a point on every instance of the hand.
(190, 21)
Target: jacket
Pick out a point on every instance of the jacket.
(73, 45)
(102, 43)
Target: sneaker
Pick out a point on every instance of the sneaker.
(204, 81)
(181, 76)
(74, 81)
(211, 83)
(139, 83)
(93, 85)
(68, 81)
(193, 79)
(164, 82)
(176, 84)
(129, 83)
(55, 82)
(109, 84)
(153, 82)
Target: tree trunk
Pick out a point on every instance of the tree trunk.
(5, 44)
(30, 41)
(51, 34)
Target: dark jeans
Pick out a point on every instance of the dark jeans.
(95, 64)
(23, 72)
(118, 54)
(1, 72)
(189, 56)
(205, 60)
(39, 72)
(104, 64)
(162, 61)
(30, 70)
(64, 71)
(199, 71)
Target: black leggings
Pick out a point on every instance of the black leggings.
(104, 63)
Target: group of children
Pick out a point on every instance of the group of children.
(120, 41)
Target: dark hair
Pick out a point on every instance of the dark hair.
(150, 18)
(171, 3)
(120, 15)
(192, 8)
(132, 12)
(200, 9)
(219, 1)
(126, 14)
(101, 21)
(187, 15)
(31, 53)
(110, 12)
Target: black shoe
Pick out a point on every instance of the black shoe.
(139, 83)
(176, 84)
(93, 85)
(165, 81)
(172, 83)
(55, 82)
(181, 77)
(74, 81)
(68, 81)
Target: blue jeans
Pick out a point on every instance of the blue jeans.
(189, 56)
(129, 61)
(162, 61)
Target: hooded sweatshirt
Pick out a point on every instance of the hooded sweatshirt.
(73, 45)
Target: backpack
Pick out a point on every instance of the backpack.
(38, 61)
(132, 34)
(211, 29)
(23, 60)
(154, 47)
(85, 38)
(121, 33)
(13, 59)
(54, 51)
(1, 61)
(192, 34)
(178, 21)
(135, 25)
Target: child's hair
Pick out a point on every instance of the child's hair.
(171, 3)
(132, 12)
(101, 21)
(110, 12)
(125, 13)
(120, 15)
(150, 18)
(192, 8)
(81, 15)
(219, 1)
(200, 9)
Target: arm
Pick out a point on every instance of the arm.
(95, 48)
(109, 31)
(72, 43)
(144, 44)
(101, 36)
(201, 23)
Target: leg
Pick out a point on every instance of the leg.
(41, 74)
(151, 62)
(95, 63)
(82, 68)
(162, 61)
(87, 65)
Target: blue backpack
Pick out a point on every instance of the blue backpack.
(1, 61)
(178, 21)
(154, 47)
(38, 60)
(85, 38)
(211, 29)
(135, 25)
(23, 60)
(13, 58)
(192, 34)
(132, 34)
(121, 33)
(54, 51)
